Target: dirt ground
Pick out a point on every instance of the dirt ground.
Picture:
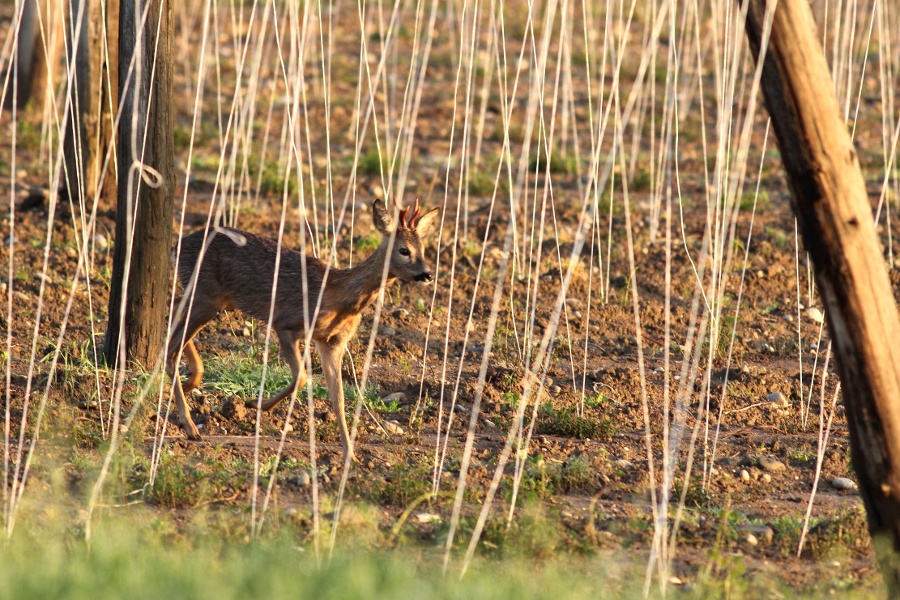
(586, 471)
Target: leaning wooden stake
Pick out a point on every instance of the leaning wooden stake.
(835, 218)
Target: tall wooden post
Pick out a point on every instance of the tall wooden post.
(37, 54)
(835, 218)
(82, 103)
(92, 39)
(140, 280)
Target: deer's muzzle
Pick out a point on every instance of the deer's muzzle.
(424, 277)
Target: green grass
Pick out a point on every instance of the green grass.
(559, 163)
(565, 422)
(139, 553)
(481, 183)
(641, 181)
(241, 373)
(144, 558)
(372, 163)
(368, 243)
(778, 237)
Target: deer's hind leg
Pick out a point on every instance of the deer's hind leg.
(185, 330)
(290, 349)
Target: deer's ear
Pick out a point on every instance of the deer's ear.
(427, 220)
(382, 218)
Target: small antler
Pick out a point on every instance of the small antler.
(402, 220)
(413, 219)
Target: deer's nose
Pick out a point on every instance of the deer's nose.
(425, 276)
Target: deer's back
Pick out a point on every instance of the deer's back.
(235, 276)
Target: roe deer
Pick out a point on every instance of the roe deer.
(238, 270)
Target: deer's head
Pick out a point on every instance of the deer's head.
(407, 259)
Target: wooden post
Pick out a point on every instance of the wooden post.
(835, 218)
(38, 54)
(93, 24)
(144, 211)
(26, 50)
(81, 101)
(104, 36)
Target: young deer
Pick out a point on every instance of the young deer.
(237, 271)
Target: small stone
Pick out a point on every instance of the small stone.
(623, 464)
(574, 303)
(490, 423)
(398, 397)
(498, 254)
(303, 479)
(766, 478)
(288, 428)
(101, 244)
(745, 475)
(387, 331)
(470, 326)
(815, 315)
(401, 313)
(555, 390)
(460, 408)
(9, 240)
(759, 532)
(245, 332)
(378, 191)
(751, 539)
(778, 400)
(21, 296)
(843, 483)
(393, 428)
(428, 518)
(770, 463)
(123, 428)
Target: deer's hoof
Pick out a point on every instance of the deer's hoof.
(192, 434)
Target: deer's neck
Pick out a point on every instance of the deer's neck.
(358, 286)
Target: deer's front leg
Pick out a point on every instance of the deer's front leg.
(331, 355)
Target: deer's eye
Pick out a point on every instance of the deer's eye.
(403, 251)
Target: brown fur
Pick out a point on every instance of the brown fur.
(240, 275)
